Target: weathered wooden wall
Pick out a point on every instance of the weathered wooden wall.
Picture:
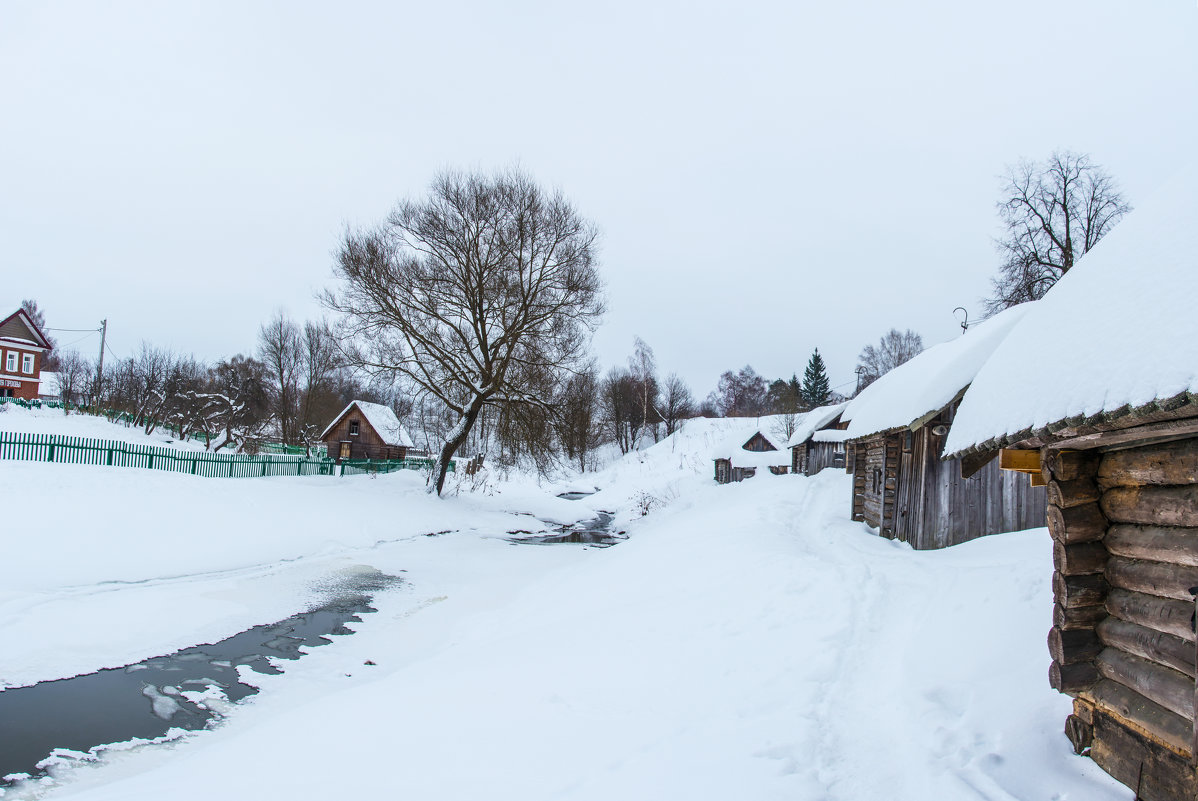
(875, 482)
(1125, 541)
(937, 508)
(366, 444)
(823, 454)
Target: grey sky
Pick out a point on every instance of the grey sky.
(769, 177)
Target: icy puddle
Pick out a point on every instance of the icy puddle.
(184, 690)
(595, 532)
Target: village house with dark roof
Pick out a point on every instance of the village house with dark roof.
(23, 348)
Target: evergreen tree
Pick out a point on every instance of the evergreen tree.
(816, 389)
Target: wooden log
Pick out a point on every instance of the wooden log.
(1071, 647)
(1023, 461)
(1164, 649)
(1152, 578)
(1084, 710)
(1072, 679)
(1164, 686)
(1159, 614)
(1074, 591)
(1071, 465)
(1084, 523)
(1155, 770)
(1175, 545)
(1166, 463)
(1066, 494)
(1139, 713)
(1153, 506)
(1080, 559)
(1080, 733)
(1077, 617)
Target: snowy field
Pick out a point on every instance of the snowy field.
(745, 642)
(45, 420)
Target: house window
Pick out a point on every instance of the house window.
(10, 361)
(353, 428)
(27, 363)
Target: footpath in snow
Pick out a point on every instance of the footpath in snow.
(745, 641)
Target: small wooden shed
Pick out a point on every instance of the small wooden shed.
(897, 428)
(366, 430)
(818, 440)
(1107, 417)
(741, 458)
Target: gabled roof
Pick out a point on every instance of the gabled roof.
(914, 392)
(814, 420)
(381, 418)
(30, 333)
(1115, 339)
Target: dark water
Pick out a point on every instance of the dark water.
(573, 496)
(596, 532)
(144, 700)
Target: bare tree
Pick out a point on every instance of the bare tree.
(741, 394)
(892, 350)
(471, 294)
(73, 374)
(281, 351)
(49, 358)
(318, 353)
(642, 365)
(579, 413)
(1053, 214)
(677, 404)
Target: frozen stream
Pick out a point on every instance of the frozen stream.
(184, 690)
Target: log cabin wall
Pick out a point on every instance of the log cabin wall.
(366, 444)
(875, 482)
(1125, 544)
(937, 508)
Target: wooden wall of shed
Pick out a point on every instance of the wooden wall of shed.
(875, 482)
(1125, 541)
(938, 508)
(366, 444)
(823, 454)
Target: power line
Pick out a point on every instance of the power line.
(73, 330)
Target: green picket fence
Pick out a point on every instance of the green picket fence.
(80, 450)
(350, 467)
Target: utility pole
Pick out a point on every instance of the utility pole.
(100, 366)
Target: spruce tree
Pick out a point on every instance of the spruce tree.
(816, 389)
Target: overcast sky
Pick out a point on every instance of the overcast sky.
(768, 177)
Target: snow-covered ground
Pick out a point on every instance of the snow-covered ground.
(745, 642)
(45, 420)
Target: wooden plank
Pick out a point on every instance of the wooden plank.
(1144, 752)
(1167, 687)
(1022, 461)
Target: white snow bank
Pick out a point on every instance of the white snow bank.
(1119, 329)
(929, 382)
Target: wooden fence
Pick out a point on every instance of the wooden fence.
(80, 450)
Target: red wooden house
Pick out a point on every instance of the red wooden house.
(23, 348)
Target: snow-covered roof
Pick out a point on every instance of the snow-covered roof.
(1117, 332)
(912, 392)
(830, 435)
(813, 421)
(761, 459)
(735, 443)
(381, 418)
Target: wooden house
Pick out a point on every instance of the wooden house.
(366, 431)
(23, 347)
(818, 441)
(1103, 408)
(741, 458)
(897, 428)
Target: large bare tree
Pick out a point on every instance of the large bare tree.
(471, 295)
(893, 349)
(1053, 214)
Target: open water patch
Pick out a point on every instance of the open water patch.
(596, 532)
(73, 719)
